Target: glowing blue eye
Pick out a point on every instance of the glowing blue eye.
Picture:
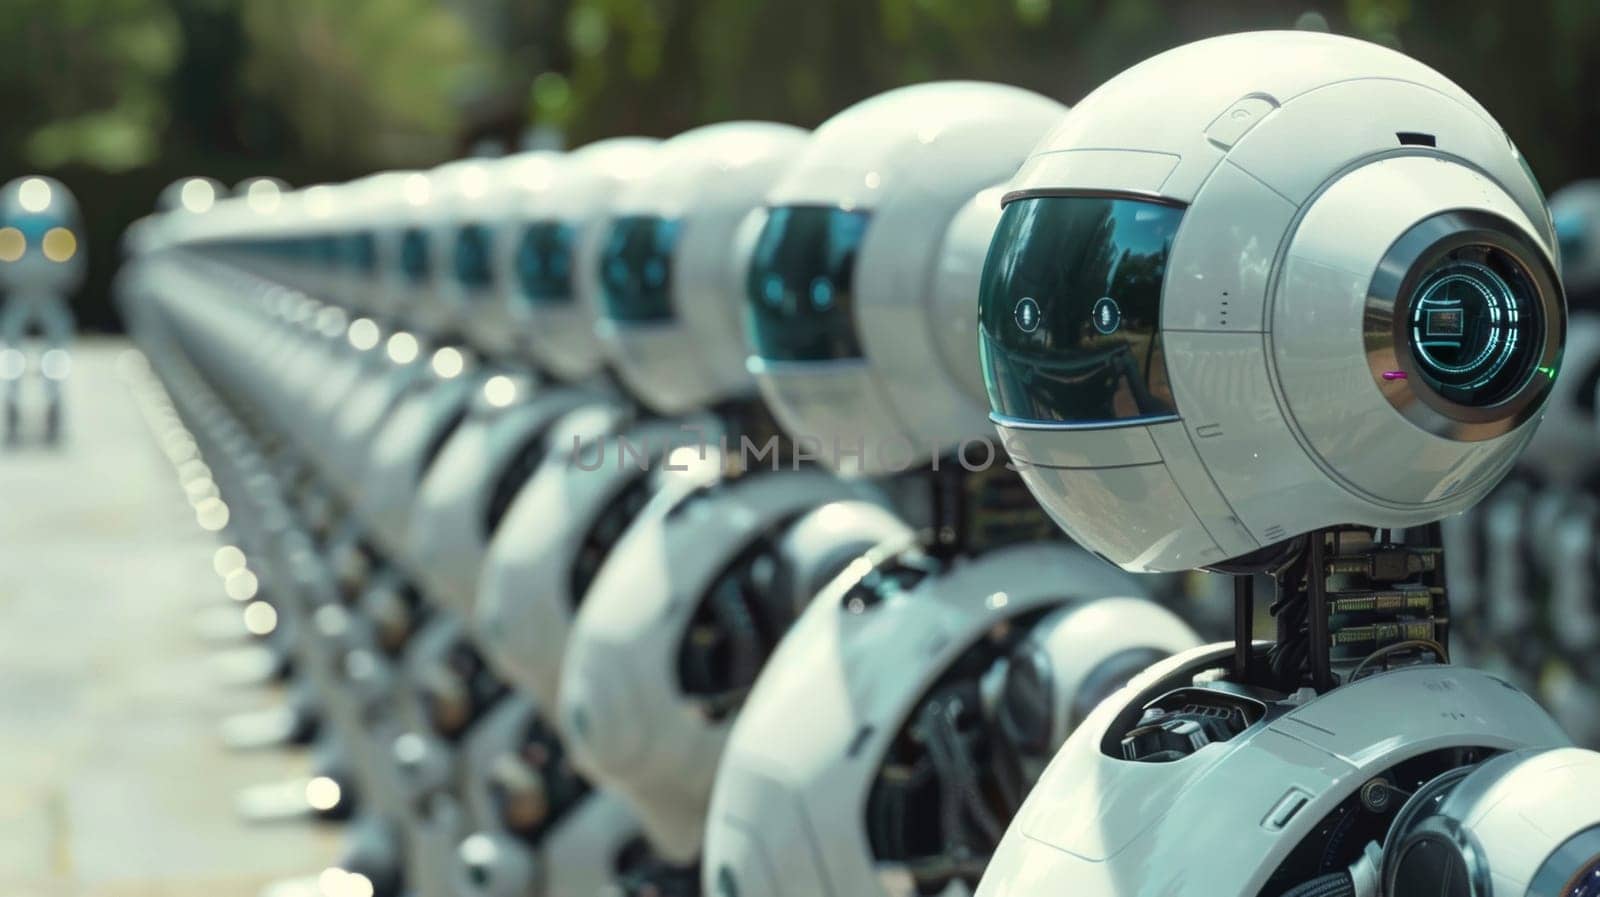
(655, 273)
(772, 289)
(1474, 328)
(616, 271)
(822, 293)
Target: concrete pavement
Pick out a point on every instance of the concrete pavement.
(113, 781)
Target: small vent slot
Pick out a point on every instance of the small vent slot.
(1416, 138)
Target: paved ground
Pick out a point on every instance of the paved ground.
(113, 782)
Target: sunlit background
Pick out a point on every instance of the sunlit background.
(118, 98)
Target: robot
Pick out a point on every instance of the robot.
(1575, 211)
(1212, 347)
(615, 268)
(1538, 526)
(899, 723)
(497, 450)
(349, 657)
(42, 262)
(235, 341)
(680, 606)
(195, 195)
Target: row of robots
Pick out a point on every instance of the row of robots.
(761, 512)
(42, 263)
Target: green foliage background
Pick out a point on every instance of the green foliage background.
(120, 97)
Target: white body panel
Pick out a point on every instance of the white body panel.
(525, 604)
(574, 858)
(787, 815)
(621, 711)
(396, 463)
(447, 539)
(561, 335)
(1095, 824)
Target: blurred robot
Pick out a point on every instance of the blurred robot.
(696, 583)
(1282, 320)
(900, 722)
(499, 446)
(42, 262)
(1522, 579)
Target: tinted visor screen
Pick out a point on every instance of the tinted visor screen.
(1070, 310)
(544, 262)
(472, 257)
(799, 291)
(414, 260)
(636, 269)
(361, 252)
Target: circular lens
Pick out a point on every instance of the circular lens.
(1476, 326)
(1587, 882)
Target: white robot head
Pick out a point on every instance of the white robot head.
(330, 233)
(367, 245)
(853, 338)
(1575, 210)
(1468, 833)
(412, 200)
(485, 207)
(41, 236)
(670, 287)
(559, 216)
(461, 221)
(1262, 284)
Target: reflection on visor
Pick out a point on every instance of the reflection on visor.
(799, 290)
(544, 262)
(472, 257)
(636, 268)
(414, 260)
(1070, 310)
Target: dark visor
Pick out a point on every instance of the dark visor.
(472, 257)
(799, 292)
(636, 269)
(1070, 310)
(544, 262)
(360, 252)
(414, 260)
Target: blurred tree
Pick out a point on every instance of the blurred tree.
(380, 81)
(659, 66)
(81, 81)
(120, 97)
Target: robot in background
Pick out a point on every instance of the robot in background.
(41, 263)
(1532, 546)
